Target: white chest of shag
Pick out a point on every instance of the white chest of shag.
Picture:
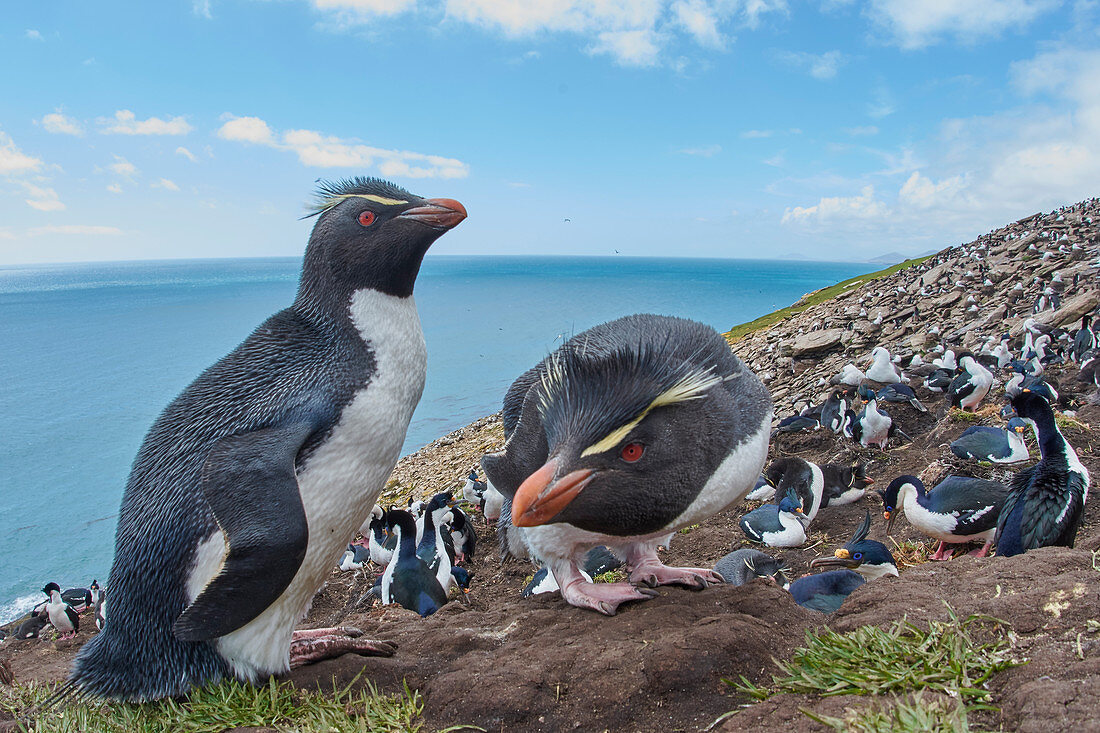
(342, 478)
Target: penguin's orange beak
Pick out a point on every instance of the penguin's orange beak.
(540, 498)
(437, 213)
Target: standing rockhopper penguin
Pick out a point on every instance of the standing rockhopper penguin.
(253, 481)
(628, 432)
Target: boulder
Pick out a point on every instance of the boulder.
(817, 342)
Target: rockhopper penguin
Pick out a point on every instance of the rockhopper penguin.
(631, 430)
(258, 475)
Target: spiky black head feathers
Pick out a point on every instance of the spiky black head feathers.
(331, 193)
(861, 531)
(51, 587)
(594, 395)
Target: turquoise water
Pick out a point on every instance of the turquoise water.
(90, 354)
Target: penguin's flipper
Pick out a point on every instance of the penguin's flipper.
(249, 482)
(524, 453)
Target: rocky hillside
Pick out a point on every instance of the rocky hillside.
(501, 662)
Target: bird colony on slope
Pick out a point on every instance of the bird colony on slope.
(629, 432)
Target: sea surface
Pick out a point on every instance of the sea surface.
(91, 353)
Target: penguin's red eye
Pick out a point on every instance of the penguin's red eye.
(631, 452)
(366, 218)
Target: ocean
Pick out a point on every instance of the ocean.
(90, 354)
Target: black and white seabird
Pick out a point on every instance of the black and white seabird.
(630, 431)
(407, 580)
(971, 386)
(833, 409)
(1046, 502)
(597, 561)
(882, 370)
(251, 483)
(860, 560)
(900, 393)
(957, 510)
(803, 478)
(844, 484)
(777, 525)
(874, 426)
(61, 614)
(996, 445)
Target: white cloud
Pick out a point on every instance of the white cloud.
(13, 160)
(73, 229)
(881, 104)
(918, 24)
(59, 124)
(125, 122)
(819, 65)
(978, 172)
(114, 188)
(861, 130)
(186, 153)
(43, 199)
(247, 130)
(628, 48)
(631, 32)
(33, 35)
(705, 151)
(366, 7)
(315, 149)
(754, 134)
(776, 160)
(699, 19)
(863, 206)
(123, 167)
(201, 8)
(922, 193)
(5, 234)
(166, 184)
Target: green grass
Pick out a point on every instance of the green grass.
(737, 333)
(917, 716)
(230, 704)
(952, 657)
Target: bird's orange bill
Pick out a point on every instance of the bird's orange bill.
(841, 558)
(437, 213)
(540, 498)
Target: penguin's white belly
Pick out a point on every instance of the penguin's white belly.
(733, 478)
(341, 480)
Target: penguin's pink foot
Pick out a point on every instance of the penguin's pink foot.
(653, 573)
(603, 597)
(647, 569)
(943, 552)
(300, 634)
(314, 649)
(983, 551)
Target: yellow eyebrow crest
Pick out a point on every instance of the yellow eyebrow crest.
(690, 387)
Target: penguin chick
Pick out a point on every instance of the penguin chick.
(251, 483)
(629, 431)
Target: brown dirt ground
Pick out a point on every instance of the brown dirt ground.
(508, 664)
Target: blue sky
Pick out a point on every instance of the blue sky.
(721, 128)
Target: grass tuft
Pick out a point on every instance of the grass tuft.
(935, 715)
(948, 657)
(230, 704)
(1065, 422)
(951, 657)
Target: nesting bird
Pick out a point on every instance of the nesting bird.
(957, 510)
(996, 445)
(1046, 502)
(969, 388)
(777, 525)
(252, 482)
(741, 566)
(859, 560)
(631, 430)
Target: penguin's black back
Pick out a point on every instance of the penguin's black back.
(290, 368)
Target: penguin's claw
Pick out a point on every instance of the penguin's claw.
(655, 574)
(311, 650)
(603, 597)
